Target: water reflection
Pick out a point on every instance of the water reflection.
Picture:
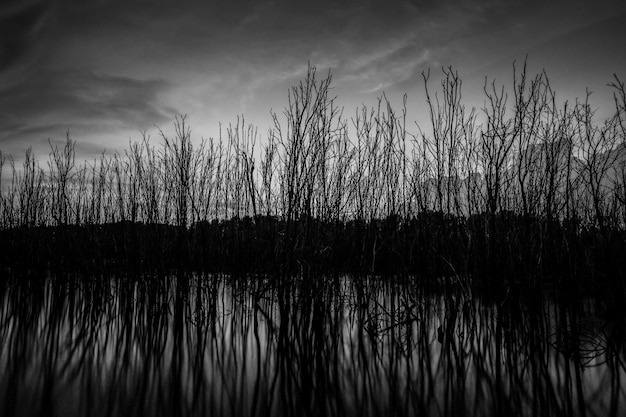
(219, 345)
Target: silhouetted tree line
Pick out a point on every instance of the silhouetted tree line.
(432, 246)
(525, 189)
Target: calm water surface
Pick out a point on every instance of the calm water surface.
(218, 345)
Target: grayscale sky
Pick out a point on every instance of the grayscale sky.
(108, 69)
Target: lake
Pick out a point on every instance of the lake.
(331, 345)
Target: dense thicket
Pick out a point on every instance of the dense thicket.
(524, 188)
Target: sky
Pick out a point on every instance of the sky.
(107, 70)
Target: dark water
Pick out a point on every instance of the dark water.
(218, 345)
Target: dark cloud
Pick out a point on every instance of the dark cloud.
(24, 27)
(93, 103)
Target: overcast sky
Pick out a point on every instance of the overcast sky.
(108, 69)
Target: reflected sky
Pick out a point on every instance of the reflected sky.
(218, 345)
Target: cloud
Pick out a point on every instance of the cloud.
(78, 99)
(24, 26)
(107, 60)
